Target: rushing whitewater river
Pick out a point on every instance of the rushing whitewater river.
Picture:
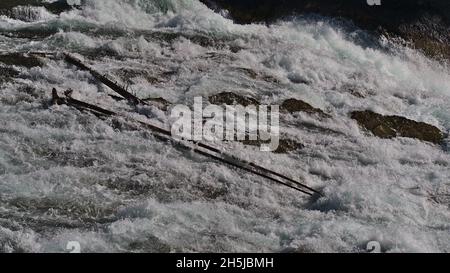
(69, 176)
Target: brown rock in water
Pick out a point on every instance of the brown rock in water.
(423, 23)
(288, 145)
(285, 145)
(19, 59)
(55, 7)
(230, 98)
(294, 105)
(396, 126)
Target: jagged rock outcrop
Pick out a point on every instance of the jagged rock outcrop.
(396, 126)
(19, 59)
(425, 23)
(54, 7)
(294, 106)
(229, 98)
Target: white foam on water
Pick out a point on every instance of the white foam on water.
(114, 188)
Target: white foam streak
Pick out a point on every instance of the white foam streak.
(149, 196)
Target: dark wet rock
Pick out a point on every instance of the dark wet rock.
(429, 34)
(294, 106)
(396, 126)
(59, 7)
(19, 59)
(30, 33)
(247, 11)
(9, 4)
(229, 98)
(285, 145)
(288, 145)
(127, 74)
(55, 7)
(160, 103)
(425, 23)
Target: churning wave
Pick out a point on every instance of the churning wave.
(69, 176)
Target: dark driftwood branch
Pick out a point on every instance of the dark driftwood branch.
(133, 99)
(166, 136)
(114, 86)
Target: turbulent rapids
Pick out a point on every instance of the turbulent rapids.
(365, 120)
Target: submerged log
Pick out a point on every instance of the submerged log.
(208, 151)
(56, 99)
(114, 86)
(425, 23)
